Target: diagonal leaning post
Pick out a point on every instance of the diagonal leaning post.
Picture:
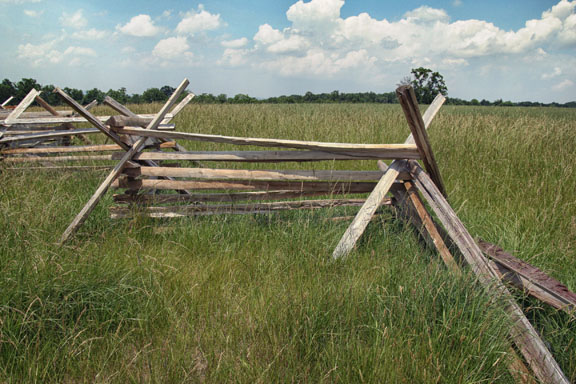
(363, 217)
(136, 147)
(522, 333)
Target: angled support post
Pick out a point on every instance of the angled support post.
(8, 100)
(24, 104)
(136, 147)
(409, 104)
(522, 333)
(364, 215)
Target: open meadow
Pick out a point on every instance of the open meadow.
(256, 298)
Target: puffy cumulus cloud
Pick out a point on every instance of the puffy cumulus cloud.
(555, 73)
(172, 48)
(319, 37)
(197, 21)
(237, 43)
(140, 26)
(234, 57)
(73, 20)
(46, 53)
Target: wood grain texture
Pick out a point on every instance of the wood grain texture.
(407, 99)
(373, 202)
(311, 145)
(22, 106)
(81, 217)
(523, 333)
(72, 149)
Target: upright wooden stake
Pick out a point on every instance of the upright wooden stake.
(81, 217)
(523, 333)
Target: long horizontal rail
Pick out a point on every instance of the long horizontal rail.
(402, 151)
(232, 174)
(217, 197)
(72, 149)
(61, 120)
(47, 135)
(196, 210)
(269, 156)
(246, 185)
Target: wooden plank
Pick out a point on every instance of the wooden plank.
(72, 149)
(91, 105)
(47, 135)
(407, 99)
(218, 197)
(63, 120)
(128, 121)
(431, 228)
(24, 104)
(81, 217)
(36, 159)
(523, 333)
(195, 210)
(268, 156)
(358, 225)
(531, 279)
(8, 100)
(62, 168)
(46, 106)
(230, 174)
(401, 149)
(429, 115)
(246, 185)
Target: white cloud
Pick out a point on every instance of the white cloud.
(47, 53)
(198, 21)
(172, 48)
(563, 85)
(233, 57)
(140, 26)
(319, 36)
(237, 43)
(557, 72)
(90, 34)
(128, 50)
(80, 51)
(74, 20)
(33, 13)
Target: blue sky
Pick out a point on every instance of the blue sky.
(510, 49)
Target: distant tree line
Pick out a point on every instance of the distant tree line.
(21, 88)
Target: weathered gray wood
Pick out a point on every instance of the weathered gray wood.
(266, 156)
(429, 115)
(358, 225)
(91, 118)
(407, 99)
(523, 333)
(91, 105)
(194, 210)
(247, 185)
(36, 159)
(401, 150)
(128, 121)
(81, 217)
(47, 135)
(219, 197)
(46, 106)
(24, 104)
(62, 168)
(224, 174)
(533, 280)
(72, 149)
(52, 120)
(8, 100)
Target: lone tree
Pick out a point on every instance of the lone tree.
(426, 83)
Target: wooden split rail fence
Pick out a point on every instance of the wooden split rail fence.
(154, 189)
(50, 139)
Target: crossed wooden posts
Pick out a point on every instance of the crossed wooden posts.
(404, 178)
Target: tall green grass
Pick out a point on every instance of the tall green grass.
(256, 298)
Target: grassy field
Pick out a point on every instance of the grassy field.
(256, 298)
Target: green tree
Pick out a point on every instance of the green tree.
(119, 95)
(427, 84)
(7, 89)
(74, 93)
(49, 96)
(93, 94)
(152, 95)
(23, 87)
